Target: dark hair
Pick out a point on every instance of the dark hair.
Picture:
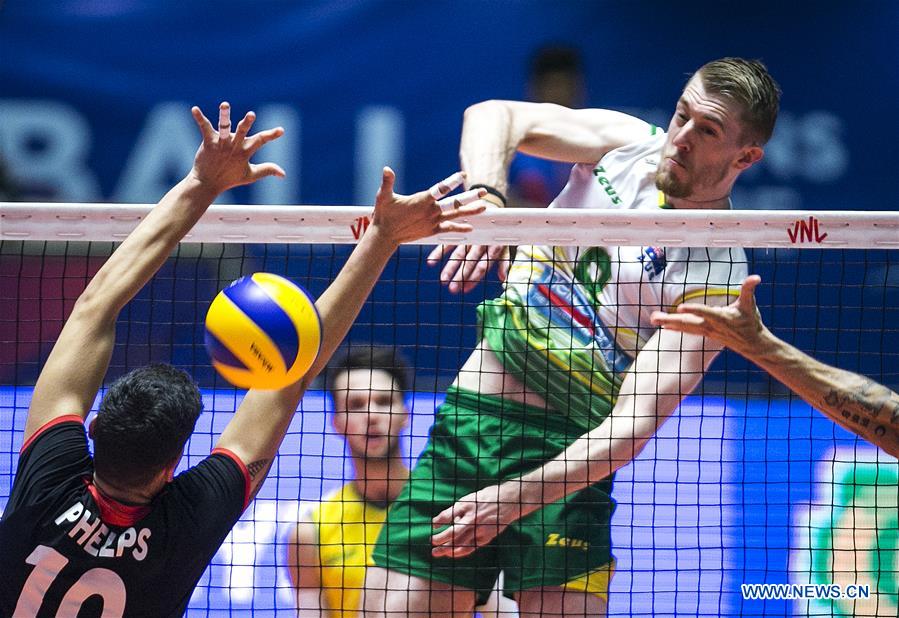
(145, 418)
(748, 83)
(385, 358)
(555, 59)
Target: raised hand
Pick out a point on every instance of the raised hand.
(738, 325)
(405, 218)
(223, 159)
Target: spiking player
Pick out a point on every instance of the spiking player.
(115, 534)
(571, 379)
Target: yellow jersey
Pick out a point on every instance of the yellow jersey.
(347, 528)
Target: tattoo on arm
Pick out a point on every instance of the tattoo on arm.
(257, 470)
(256, 467)
(892, 409)
(868, 407)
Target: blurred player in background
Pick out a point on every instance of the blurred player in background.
(116, 534)
(328, 550)
(555, 75)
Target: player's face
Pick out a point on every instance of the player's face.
(369, 411)
(704, 150)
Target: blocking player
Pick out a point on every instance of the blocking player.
(114, 534)
(855, 402)
(570, 379)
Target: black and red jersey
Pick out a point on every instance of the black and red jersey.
(67, 550)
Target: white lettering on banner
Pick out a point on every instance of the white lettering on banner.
(379, 142)
(285, 151)
(163, 152)
(46, 144)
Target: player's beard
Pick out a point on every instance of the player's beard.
(671, 186)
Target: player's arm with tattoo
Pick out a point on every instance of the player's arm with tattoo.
(855, 402)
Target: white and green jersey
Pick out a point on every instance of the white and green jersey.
(571, 320)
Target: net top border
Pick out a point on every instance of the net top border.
(57, 221)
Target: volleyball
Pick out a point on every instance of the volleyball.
(263, 331)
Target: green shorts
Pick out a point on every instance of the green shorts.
(476, 441)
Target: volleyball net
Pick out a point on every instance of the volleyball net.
(746, 484)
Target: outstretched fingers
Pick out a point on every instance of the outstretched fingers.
(447, 185)
(203, 124)
(476, 270)
(462, 199)
(388, 181)
(261, 170)
(458, 538)
(746, 302)
(257, 141)
(437, 254)
(243, 127)
(224, 120)
(446, 221)
(683, 322)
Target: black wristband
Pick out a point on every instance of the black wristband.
(491, 191)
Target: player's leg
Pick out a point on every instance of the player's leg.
(558, 560)
(556, 602)
(391, 594)
(409, 580)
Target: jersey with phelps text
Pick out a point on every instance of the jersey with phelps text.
(67, 550)
(571, 320)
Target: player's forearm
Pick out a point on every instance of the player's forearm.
(855, 402)
(257, 429)
(488, 144)
(340, 304)
(667, 369)
(141, 255)
(594, 456)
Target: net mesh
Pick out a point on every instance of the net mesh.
(745, 484)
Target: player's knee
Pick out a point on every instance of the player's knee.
(559, 601)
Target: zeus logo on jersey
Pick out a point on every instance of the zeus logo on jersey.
(601, 178)
(97, 539)
(654, 261)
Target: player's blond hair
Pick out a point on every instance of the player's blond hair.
(748, 83)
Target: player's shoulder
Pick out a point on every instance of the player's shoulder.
(62, 428)
(215, 480)
(54, 461)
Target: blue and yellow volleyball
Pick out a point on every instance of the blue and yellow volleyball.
(263, 331)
